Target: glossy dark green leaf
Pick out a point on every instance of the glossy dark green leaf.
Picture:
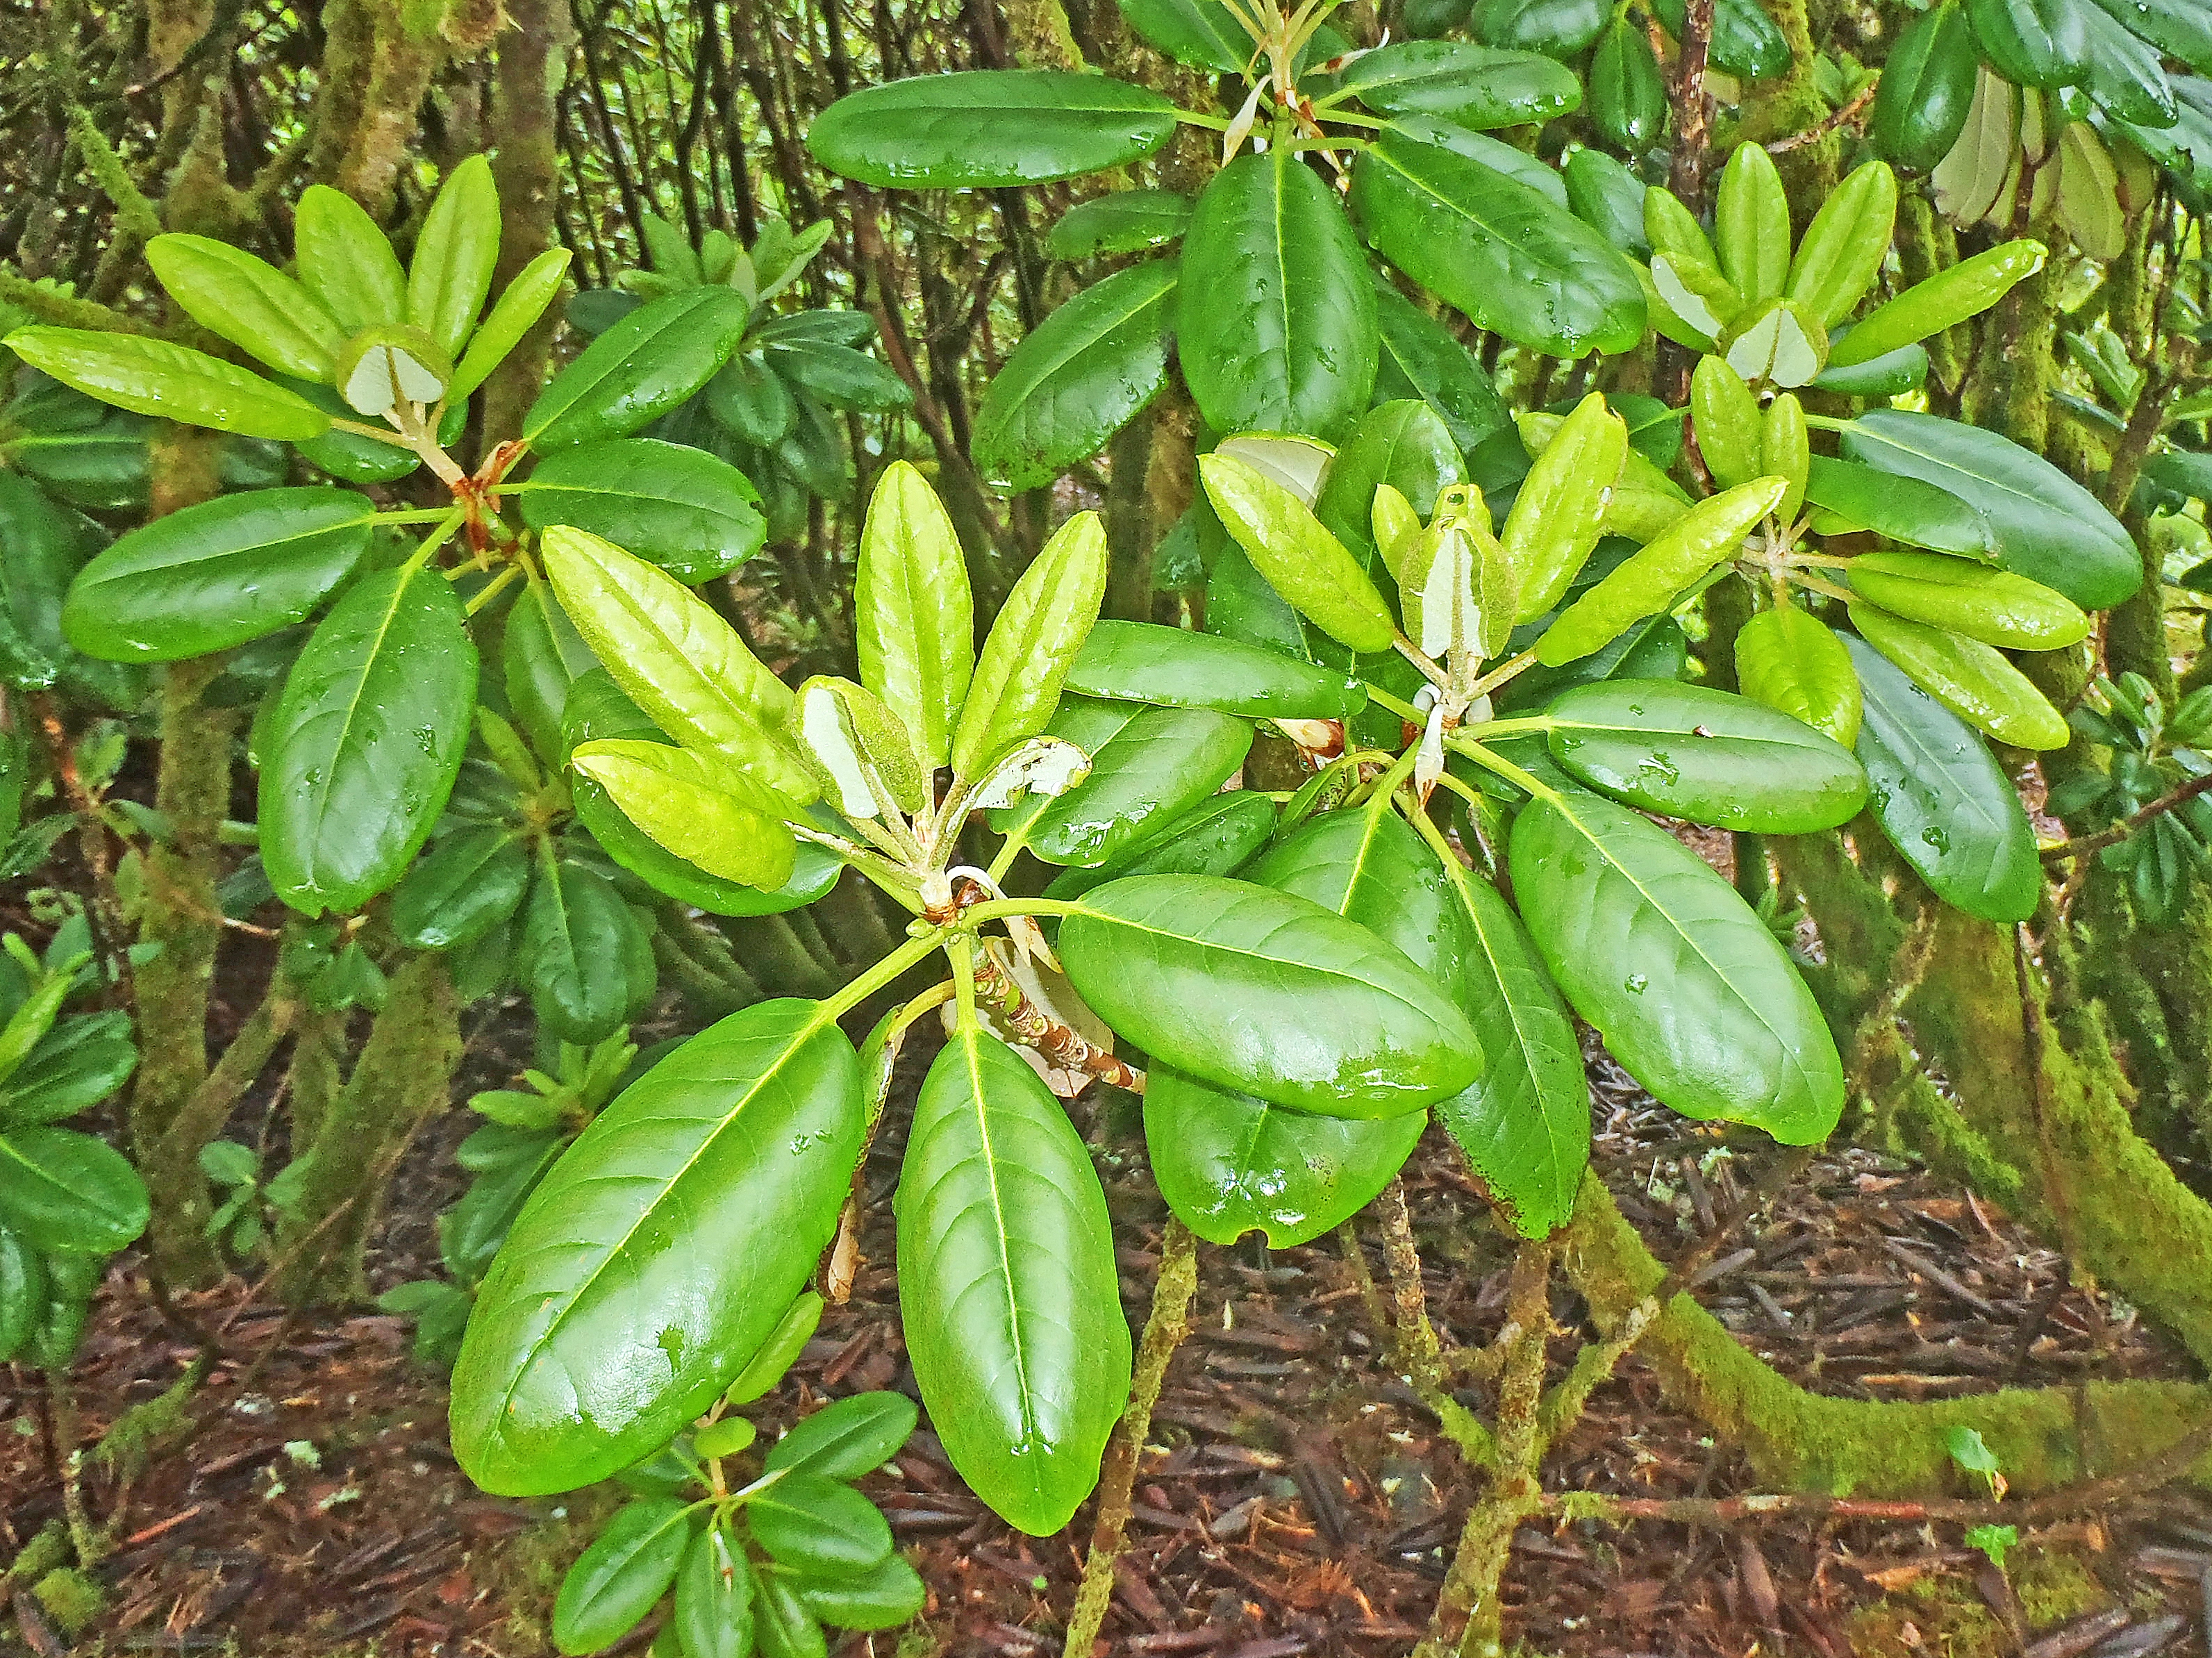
(541, 656)
(2126, 78)
(1906, 509)
(1006, 1285)
(847, 1438)
(660, 1253)
(639, 369)
(108, 469)
(816, 1525)
(366, 740)
(1217, 837)
(22, 1292)
(1927, 87)
(2032, 43)
(348, 456)
(1275, 316)
(1125, 221)
(217, 574)
(783, 1626)
(1941, 797)
(986, 128)
(1420, 358)
(2176, 27)
(1470, 85)
(1628, 96)
(1406, 444)
(598, 708)
(1371, 868)
(1498, 249)
(1219, 978)
(1080, 377)
(64, 1192)
(1173, 667)
(80, 1062)
(1609, 198)
(1201, 33)
(621, 1576)
(1692, 751)
(1229, 1164)
(884, 1597)
(466, 886)
(1524, 1124)
(1746, 40)
(2045, 525)
(575, 928)
(1148, 767)
(713, 1612)
(1557, 28)
(749, 399)
(1691, 992)
(840, 376)
(694, 515)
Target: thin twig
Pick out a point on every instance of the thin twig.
(2082, 846)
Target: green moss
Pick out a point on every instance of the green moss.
(2053, 1587)
(524, 1572)
(1937, 1615)
(151, 1425)
(73, 1599)
(41, 1554)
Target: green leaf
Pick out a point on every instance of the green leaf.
(1524, 1124)
(1746, 41)
(1751, 224)
(1902, 508)
(2126, 78)
(783, 1625)
(250, 303)
(780, 1350)
(1006, 1285)
(1609, 198)
(1691, 752)
(516, 311)
(1628, 96)
(714, 1616)
(1275, 316)
(1994, 606)
(366, 740)
(1557, 28)
(2046, 526)
(914, 612)
(217, 574)
(1690, 990)
(1079, 378)
(1228, 1164)
(1785, 659)
(80, 1062)
(541, 656)
(454, 256)
(1951, 296)
(1558, 512)
(1201, 33)
(346, 261)
(1975, 681)
(1942, 800)
(1219, 978)
(1406, 444)
(692, 514)
(1419, 357)
(2175, 27)
(621, 1576)
(2032, 43)
(169, 382)
(1841, 251)
(1470, 85)
(592, 1342)
(890, 1595)
(846, 1439)
(1156, 764)
(61, 1191)
(639, 369)
(1217, 837)
(1927, 87)
(1498, 250)
(816, 1525)
(840, 376)
(988, 128)
(749, 399)
(1125, 221)
(576, 932)
(703, 811)
(1296, 554)
(1173, 667)
(1039, 629)
(22, 1292)
(466, 886)
(680, 663)
(597, 709)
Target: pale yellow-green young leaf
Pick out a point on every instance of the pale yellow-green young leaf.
(679, 662)
(454, 256)
(860, 748)
(346, 261)
(1397, 528)
(1842, 249)
(1695, 293)
(513, 315)
(250, 303)
(390, 364)
(1724, 418)
(914, 612)
(1560, 512)
(1791, 661)
(697, 807)
(1299, 464)
(2089, 193)
(1296, 554)
(1776, 344)
(1024, 662)
(1786, 451)
(1046, 766)
(1751, 222)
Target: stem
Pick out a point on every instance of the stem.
(914, 950)
(998, 908)
(1165, 1327)
(1511, 669)
(493, 588)
(1505, 768)
(411, 515)
(1404, 710)
(1191, 117)
(2082, 845)
(1414, 1346)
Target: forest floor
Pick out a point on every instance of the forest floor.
(1296, 1498)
